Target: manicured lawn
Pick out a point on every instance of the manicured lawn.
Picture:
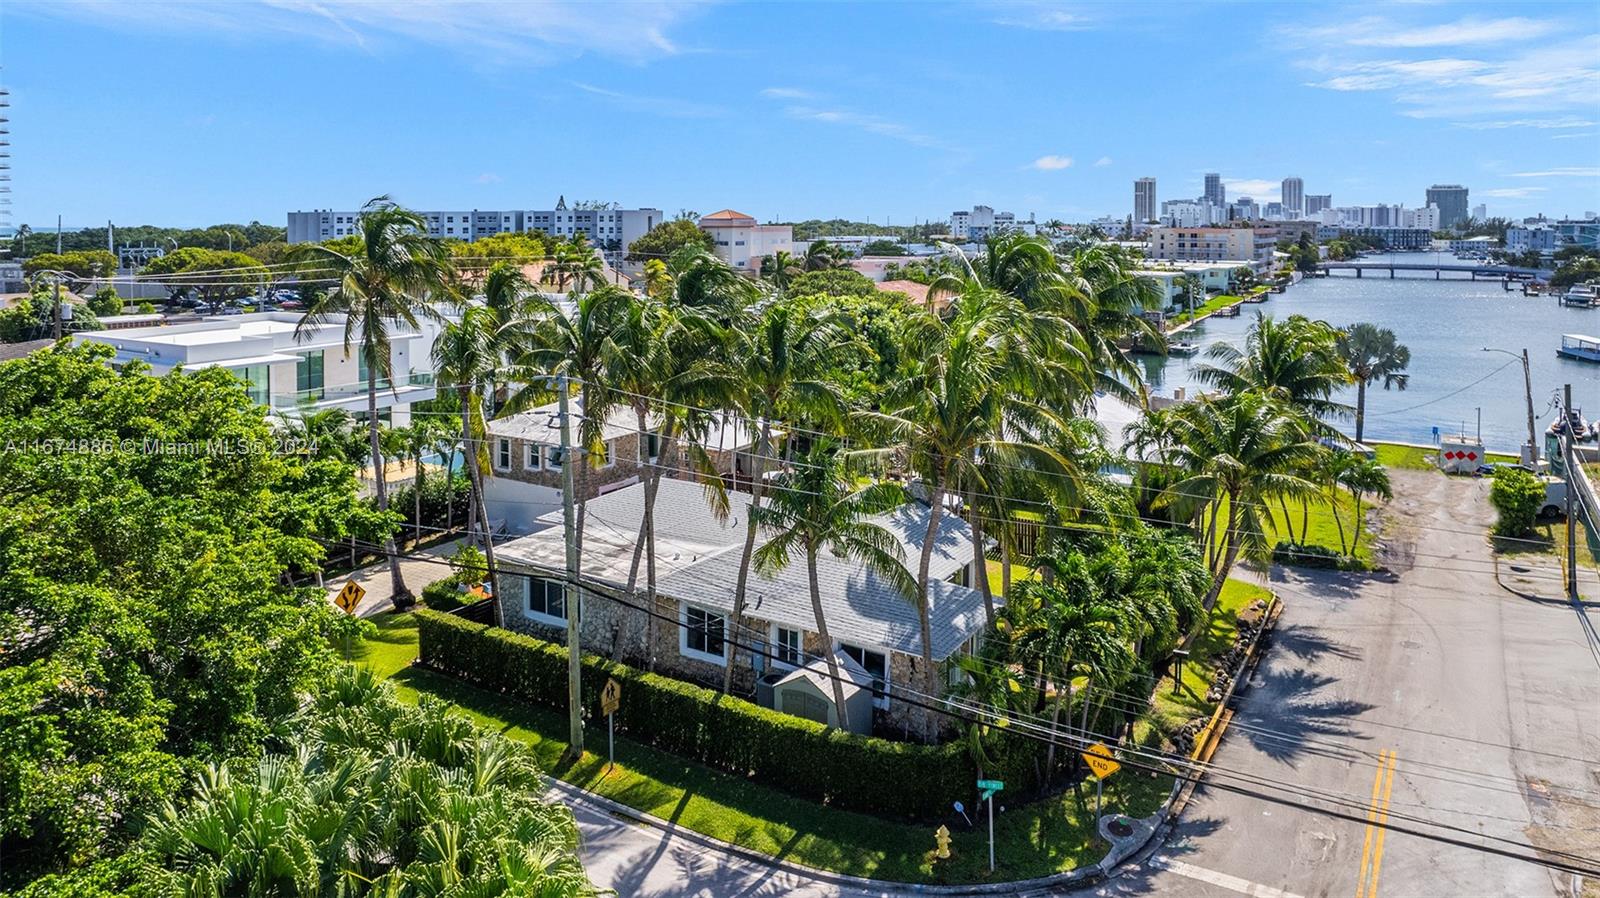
(1415, 458)
(1173, 711)
(1037, 839)
(1321, 528)
(1221, 300)
(1019, 573)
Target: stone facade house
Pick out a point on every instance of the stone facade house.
(697, 563)
(526, 464)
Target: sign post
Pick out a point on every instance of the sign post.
(990, 787)
(610, 701)
(1098, 757)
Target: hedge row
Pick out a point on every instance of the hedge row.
(798, 756)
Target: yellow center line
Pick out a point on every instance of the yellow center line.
(1383, 830)
(1372, 818)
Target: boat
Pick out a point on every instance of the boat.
(1582, 296)
(1580, 347)
(1185, 348)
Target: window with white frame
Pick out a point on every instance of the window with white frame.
(702, 633)
(553, 456)
(876, 664)
(502, 454)
(787, 646)
(544, 600)
(650, 446)
(533, 459)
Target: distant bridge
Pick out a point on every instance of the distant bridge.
(1497, 272)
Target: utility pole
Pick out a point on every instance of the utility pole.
(1527, 389)
(57, 314)
(569, 525)
(1569, 457)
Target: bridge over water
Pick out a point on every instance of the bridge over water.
(1476, 270)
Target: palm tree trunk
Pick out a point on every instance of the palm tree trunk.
(1221, 575)
(450, 488)
(648, 473)
(416, 499)
(980, 561)
(1288, 522)
(1055, 721)
(1361, 408)
(1005, 561)
(478, 505)
(398, 593)
(743, 581)
(1333, 509)
(924, 613)
(827, 641)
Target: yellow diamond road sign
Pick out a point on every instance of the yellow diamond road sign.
(1099, 758)
(611, 697)
(349, 597)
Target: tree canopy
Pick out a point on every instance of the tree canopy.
(667, 238)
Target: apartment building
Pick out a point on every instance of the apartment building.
(1144, 199)
(1452, 202)
(742, 242)
(1293, 196)
(283, 369)
(1238, 245)
(609, 229)
(983, 222)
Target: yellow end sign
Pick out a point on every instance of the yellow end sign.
(611, 697)
(1099, 760)
(349, 597)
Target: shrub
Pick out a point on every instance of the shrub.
(798, 756)
(1314, 556)
(469, 564)
(444, 595)
(1516, 495)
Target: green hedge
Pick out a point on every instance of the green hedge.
(799, 756)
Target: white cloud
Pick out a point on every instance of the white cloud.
(1376, 31)
(671, 107)
(1051, 163)
(1512, 193)
(1042, 15)
(1262, 190)
(1566, 121)
(518, 32)
(1570, 171)
(487, 177)
(1573, 136)
(872, 124)
(787, 93)
(1102, 162)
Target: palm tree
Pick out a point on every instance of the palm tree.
(1362, 477)
(657, 280)
(415, 443)
(780, 268)
(1295, 360)
(1372, 353)
(1189, 286)
(818, 505)
(821, 256)
(782, 358)
(466, 356)
(1237, 452)
(389, 278)
(963, 401)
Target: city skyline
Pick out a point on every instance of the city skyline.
(846, 115)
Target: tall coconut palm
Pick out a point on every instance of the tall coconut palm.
(386, 279)
(1236, 453)
(1372, 353)
(781, 358)
(1119, 298)
(657, 280)
(415, 442)
(466, 357)
(1361, 477)
(959, 403)
(1295, 361)
(821, 256)
(819, 505)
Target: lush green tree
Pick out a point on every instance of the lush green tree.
(883, 248)
(657, 280)
(32, 243)
(820, 505)
(1295, 360)
(85, 263)
(369, 797)
(1517, 496)
(105, 301)
(1578, 270)
(833, 282)
(213, 276)
(667, 238)
(149, 531)
(1304, 254)
(780, 269)
(1370, 354)
(390, 278)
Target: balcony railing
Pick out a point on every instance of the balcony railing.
(340, 392)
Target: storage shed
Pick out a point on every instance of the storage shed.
(808, 692)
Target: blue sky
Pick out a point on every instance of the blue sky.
(190, 113)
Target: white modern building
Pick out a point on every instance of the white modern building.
(610, 229)
(1198, 213)
(742, 242)
(1236, 245)
(280, 371)
(983, 222)
(1541, 238)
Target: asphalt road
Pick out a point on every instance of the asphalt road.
(1474, 691)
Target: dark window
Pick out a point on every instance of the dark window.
(703, 632)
